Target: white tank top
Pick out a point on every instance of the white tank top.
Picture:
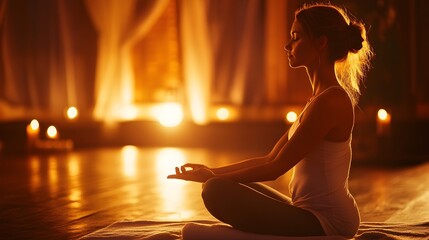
(320, 184)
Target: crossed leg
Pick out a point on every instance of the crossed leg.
(270, 192)
(256, 208)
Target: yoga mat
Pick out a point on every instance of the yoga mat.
(212, 230)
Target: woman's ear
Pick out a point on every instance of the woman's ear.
(322, 42)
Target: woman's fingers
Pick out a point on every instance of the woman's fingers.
(197, 175)
(177, 175)
(172, 176)
(179, 171)
(187, 171)
(193, 166)
(184, 176)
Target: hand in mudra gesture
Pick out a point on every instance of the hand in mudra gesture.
(193, 172)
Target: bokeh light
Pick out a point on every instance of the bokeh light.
(52, 132)
(72, 113)
(34, 124)
(222, 113)
(291, 116)
(382, 114)
(169, 114)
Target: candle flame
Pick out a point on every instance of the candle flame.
(72, 113)
(222, 113)
(382, 115)
(34, 124)
(291, 116)
(52, 132)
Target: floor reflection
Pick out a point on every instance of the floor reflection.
(73, 166)
(74, 183)
(67, 195)
(129, 158)
(35, 178)
(53, 176)
(171, 191)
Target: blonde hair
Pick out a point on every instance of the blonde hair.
(348, 45)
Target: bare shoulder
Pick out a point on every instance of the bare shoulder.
(332, 111)
(336, 110)
(335, 100)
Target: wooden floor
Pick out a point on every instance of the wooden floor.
(68, 195)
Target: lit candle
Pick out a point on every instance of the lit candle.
(33, 131)
(52, 132)
(72, 113)
(383, 123)
(291, 117)
(222, 114)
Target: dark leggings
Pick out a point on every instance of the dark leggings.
(257, 208)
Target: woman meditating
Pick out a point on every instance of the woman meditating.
(333, 49)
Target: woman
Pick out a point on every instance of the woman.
(334, 50)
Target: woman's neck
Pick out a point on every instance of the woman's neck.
(322, 77)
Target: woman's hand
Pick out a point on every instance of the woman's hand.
(196, 173)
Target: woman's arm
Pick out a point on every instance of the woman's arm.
(322, 117)
(199, 172)
(253, 162)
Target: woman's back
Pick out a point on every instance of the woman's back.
(319, 184)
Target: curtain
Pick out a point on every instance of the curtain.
(276, 35)
(46, 50)
(223, 53)
(237, 41)
(55, 54)
(119, 25)
(197, 58)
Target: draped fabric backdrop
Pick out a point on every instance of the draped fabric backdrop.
(197, 57)
(56, 54)
(47, 58)
(238, 46)
(119, 26)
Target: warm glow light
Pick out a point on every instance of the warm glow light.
(75, 193)
(32, 132)
(35, 177)
(169, 114)
(383, 123)
(129, 112)
(73, 166)
(72, 113)
(129, 158)
(171, 191)
(291, 116)
(75, 197)
(53, 175)
(34, 124)
(382, 114)
(52, 132)
(222, 113)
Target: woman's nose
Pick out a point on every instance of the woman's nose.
(287, 46)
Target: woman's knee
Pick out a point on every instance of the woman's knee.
(213, 188)
(213, 195)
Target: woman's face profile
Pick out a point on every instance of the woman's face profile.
(300, 49)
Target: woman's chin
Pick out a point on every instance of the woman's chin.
(294, 65)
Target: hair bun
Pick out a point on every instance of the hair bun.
(354, 37)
